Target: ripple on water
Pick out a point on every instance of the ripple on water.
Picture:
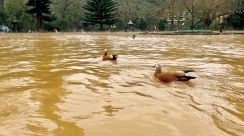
(55, 82)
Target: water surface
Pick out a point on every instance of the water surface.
(53, 84)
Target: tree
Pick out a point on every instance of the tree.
(100, 12)
(40, 8)
(15, 10)
(143, 24)
(68, 13)
(2, 17)
(236, 20)
(1, 12)
(162, 24)
(212, 10)
(1, 4)
(192, 6)
(150, 10)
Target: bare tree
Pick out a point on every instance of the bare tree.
(206, 11)
(213, 9)
(192, 7)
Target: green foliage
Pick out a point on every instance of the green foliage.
(194, 31)
(51, 24)
(16, 9)
(142, 24)
(100, 12)
(236, 20)
(25, 22)
(41, 10)
(68, 13)
(2, 17)
(162, 24)
(39, 6)
(150, 10)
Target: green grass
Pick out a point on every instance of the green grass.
(194, 31)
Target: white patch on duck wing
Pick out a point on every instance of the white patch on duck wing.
(179, 74)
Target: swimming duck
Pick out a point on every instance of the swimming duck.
(169, 76)
(107, 56)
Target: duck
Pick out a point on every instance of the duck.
(169, 76)
(107, 56)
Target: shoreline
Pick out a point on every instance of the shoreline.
(196, 33)
(142, 33)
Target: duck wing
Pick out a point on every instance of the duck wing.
(110, 57)
(185, 78)
(166, 76)
(115, 57)
(187, 71)
(181, 75)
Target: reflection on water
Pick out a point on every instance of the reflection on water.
(53, 84)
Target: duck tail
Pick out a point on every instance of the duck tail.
(187, 71)
(186, 78)
(115, 57)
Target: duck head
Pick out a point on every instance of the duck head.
(158, 68)
(105, 52)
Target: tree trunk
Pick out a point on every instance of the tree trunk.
(192, 21)
(39, 22)
(172, 24)
(101, 26)
(207, 23)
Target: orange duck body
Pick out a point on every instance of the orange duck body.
(107, 56)
(169, 76)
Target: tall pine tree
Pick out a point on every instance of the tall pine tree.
(40, 8)
(100, 12)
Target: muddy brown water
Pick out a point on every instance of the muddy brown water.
(53, 84)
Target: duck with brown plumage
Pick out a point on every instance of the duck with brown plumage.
(107, 56)
(169, 76)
